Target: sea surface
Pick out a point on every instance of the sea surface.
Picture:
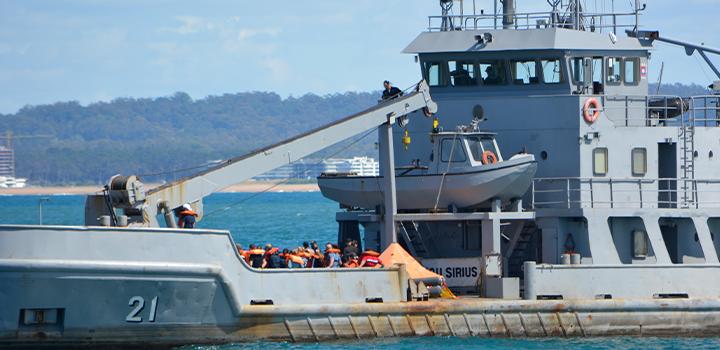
(288, 219)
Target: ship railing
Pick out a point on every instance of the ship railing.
(662, 110)
(593, 192)
(594, 22)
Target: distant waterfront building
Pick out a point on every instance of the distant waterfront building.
(7, 162)
(308, 169)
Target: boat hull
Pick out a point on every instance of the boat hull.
(123, 287)
(506, 181)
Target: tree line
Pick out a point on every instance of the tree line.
(158, 137)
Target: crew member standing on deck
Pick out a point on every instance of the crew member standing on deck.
(186, 217)
(390, 91)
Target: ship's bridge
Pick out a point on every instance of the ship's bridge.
(534, 85)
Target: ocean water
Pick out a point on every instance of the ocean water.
(288, 219)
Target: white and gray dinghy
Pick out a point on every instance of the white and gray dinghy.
(464, 170)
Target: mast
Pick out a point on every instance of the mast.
(508, 13)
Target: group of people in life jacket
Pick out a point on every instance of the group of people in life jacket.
(309, 255)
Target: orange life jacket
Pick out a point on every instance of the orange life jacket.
(256, 252)
(370, 258)
(371, 253)
(271, 251)
(351, 264)
(294, 258)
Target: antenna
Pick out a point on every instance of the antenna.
(447, 23)
(662, 68)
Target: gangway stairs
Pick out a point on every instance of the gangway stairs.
(518, 247)
(413, 239)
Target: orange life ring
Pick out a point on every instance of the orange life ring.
(488, 157)
(591, 110)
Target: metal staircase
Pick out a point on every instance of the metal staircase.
(413, 240)
(687, 158)
(519, 247)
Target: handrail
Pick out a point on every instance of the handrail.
(641, 192)
(529, 20)
(674, 110)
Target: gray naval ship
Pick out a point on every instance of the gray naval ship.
(613, 233)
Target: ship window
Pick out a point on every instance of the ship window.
(613, 70)
(462, 73)
(631, 71)
(578, 69)
(524, 72)
(600, 161)
(639, 161)
(434, 74)
(480, 145)
(552, 72)
(458, 154)
(492, 73)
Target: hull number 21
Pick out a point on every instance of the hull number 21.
(138, 304)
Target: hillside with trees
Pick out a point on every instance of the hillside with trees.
(88, 144)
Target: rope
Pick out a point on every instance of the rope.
(286, 180)
(442, 179)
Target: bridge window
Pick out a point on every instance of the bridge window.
(524, 72)
(577, 68)
(492, 72)
(552, 71)
(600, 161)
(479, 145)
(453, 148)
(632, 71)
(639, 161)
(614, 72)
(462, 73)
(434, 74)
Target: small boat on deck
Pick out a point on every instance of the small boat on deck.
(465, 170)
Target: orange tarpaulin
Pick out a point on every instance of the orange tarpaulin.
(395, 254)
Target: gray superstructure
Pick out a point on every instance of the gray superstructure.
(615, 236)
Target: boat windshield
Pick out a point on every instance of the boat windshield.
(478, 145)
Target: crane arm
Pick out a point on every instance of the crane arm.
(690, 48)
(142, 206)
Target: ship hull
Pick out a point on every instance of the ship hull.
(508, 180)
(123, 287)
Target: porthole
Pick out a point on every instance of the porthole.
(543, 155)
(695, 154)
(710, 154)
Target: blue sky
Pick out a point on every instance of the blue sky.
(88, 50)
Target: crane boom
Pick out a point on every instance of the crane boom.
(141, 207)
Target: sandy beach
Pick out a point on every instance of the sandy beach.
(250, 186)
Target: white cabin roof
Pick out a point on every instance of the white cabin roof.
(521, 40)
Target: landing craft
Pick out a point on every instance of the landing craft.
(614, 235)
